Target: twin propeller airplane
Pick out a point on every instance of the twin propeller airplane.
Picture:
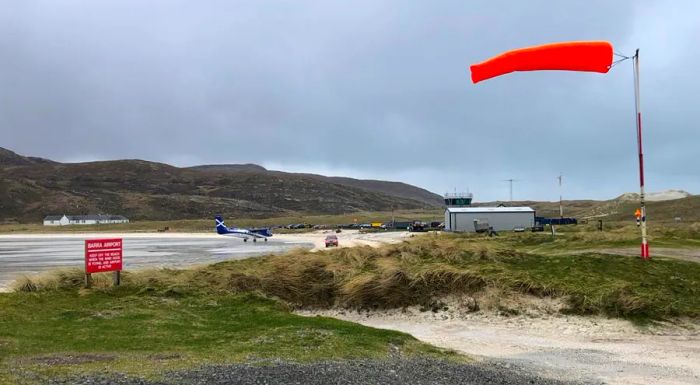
(221, 229)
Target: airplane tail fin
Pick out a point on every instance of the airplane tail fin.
(220, 226)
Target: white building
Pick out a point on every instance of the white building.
(64, 220)
(468, 219)
(56, 220)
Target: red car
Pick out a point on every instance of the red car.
(331, 240)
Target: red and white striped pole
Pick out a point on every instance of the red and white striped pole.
(645, 245)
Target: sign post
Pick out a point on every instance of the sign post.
(103, 255)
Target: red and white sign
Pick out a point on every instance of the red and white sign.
(103, 255)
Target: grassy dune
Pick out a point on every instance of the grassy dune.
(615, 235)
(427, 268)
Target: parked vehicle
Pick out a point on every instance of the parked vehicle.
(556, 221)
(417, 226)
(481, 226)
(331, 240)
(537, 227)
(397, 225)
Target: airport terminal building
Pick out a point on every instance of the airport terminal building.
(469, 219)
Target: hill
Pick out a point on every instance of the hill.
(397, 189)
(31, 188)
(618, 209)
(666, 195)
(10, 158)
(392, 188)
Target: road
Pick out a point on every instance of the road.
(30, 254)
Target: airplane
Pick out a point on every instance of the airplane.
(221, 229)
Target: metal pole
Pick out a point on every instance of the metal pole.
(511, 191)
(561, 206)
(645, 245)
(393, 219)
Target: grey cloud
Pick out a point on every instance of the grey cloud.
(375, 89)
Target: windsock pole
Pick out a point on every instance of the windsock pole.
(645, 244)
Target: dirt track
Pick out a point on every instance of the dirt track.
(560, 347)
(347, 238)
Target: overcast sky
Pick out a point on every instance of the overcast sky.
(368, 89)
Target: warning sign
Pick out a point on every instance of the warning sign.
(103, 255)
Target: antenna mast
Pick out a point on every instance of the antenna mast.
(561, 206)
(511, 187)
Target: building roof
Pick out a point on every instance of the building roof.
(91, 217)
(491, 209)
(99, 217)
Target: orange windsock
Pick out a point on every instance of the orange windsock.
(590, 56)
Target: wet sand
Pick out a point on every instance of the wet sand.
(31, 254)
(35, 253)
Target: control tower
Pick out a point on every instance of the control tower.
(462, 199)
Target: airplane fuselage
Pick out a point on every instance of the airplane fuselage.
(236, 232)
(241, 233)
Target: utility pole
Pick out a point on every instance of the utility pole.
(561, 206)
(511, 187)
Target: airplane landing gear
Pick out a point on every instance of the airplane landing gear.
(265, 239)
(245, 239)
(255, 240)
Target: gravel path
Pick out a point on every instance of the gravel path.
(399, 372)
(612, 351)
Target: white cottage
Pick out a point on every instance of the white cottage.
(57, 220)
